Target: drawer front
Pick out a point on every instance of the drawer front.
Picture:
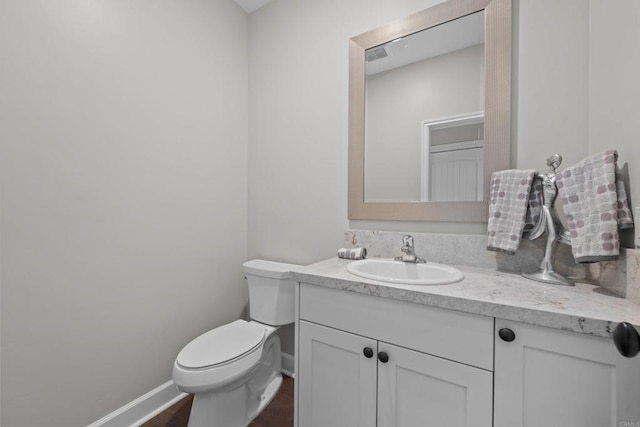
(454, 335)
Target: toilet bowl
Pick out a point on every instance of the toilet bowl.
(234, 370)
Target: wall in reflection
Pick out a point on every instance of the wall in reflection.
(399, 101)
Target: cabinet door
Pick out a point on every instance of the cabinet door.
(337, 382)
(549, 377)
(416, 389)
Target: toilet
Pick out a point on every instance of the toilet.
(234, 370)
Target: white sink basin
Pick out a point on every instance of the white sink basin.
(390, 270)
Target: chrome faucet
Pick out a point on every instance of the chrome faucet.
(409, 253)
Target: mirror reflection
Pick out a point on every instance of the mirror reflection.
(424, 118)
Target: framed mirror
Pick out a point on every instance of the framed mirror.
(430, 113)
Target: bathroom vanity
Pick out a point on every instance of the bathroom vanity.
(494, 349)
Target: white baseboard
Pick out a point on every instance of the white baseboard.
(157, 400)
(288, 365)
(143, 408)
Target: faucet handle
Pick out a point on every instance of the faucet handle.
(409, 253)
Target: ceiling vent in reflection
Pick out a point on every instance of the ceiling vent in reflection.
(375, 53)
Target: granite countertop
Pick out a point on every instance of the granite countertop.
(584, 308)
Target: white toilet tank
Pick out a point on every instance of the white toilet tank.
(271, 291)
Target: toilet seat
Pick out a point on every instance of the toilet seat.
(223, 345)
(201, 374)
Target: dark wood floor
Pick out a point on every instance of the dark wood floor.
(279, 413)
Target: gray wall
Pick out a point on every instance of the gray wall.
(552, 81)
(614, 89)
(124, 175)
(123, 170)
(298, 122)
(577, 84)
(575, 92)
(565, 100)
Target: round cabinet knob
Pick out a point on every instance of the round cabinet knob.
(506, 334)
(383, 357)
(626, 339)
(368, 352)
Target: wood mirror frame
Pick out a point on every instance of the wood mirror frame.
(497, 110)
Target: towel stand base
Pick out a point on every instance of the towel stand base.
(551, 277)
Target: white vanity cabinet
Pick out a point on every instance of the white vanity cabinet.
(417, 389)
(365, 361)
(550, 377)
(336, 382)
(444, 366)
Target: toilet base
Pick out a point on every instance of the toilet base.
(236, 405)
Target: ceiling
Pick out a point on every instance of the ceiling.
(448, 37)
(251, 5)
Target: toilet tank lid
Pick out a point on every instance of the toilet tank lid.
(276, 270)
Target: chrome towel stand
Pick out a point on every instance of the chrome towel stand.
(551, 224)
(625, 336)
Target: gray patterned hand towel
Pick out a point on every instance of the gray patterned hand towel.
(509, 204)
(595, 204)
